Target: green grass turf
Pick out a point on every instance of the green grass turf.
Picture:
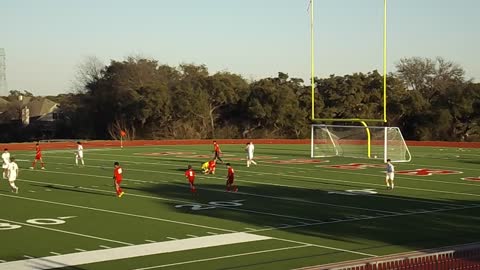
(289, 202)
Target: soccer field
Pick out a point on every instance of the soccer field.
(289, 212)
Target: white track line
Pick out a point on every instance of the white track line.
(111, 254)
(66, 232)
(79, 249)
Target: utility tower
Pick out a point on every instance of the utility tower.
(3, 74)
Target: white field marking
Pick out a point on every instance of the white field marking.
(191, 235)
(150, 241)
(354, 219)
(328, 179)
(250, 229)
(33, 191)
(118, 213)
(48, 189)
(212, 233)
(55, 253)
(172, 238)
(74, 150)
(336, 171)
(79, 249)
(66, 217)
(119, 253)
(106, 247)
(326, 247)
(249, 194)
(221, 257)
(67, 232)
(28, 257)
(171, 200)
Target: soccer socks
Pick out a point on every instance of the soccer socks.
(252, 161)
(76, 161)
(248, 163)
(83, 162)
(4, 175)
(13, 186)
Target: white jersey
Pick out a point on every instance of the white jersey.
(12, 171)
(80, 151)
(250, 150)
(6, 159)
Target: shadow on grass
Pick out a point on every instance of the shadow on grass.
(363, 223)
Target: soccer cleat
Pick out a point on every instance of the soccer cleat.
(121, 194)
(43, 168)
(16, 190)
(31, 168)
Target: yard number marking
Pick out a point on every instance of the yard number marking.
(36, 221)
(212, 205)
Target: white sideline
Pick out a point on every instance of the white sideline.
(96, 256)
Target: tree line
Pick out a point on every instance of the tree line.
(429, 99)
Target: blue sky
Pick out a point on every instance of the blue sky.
(45, 40)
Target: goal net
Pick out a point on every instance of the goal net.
(359, 142)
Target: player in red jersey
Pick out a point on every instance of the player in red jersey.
(230, 179)
(117, 177)
(216, 151)
(190, 175)
(211, 166)
(38, 156)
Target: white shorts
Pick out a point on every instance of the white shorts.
(12, 179)
(79, 155)
(249, 155)
(390, 175)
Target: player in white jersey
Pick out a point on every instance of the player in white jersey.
(250, 148)
(79, 154)
(390, 174)
(12, 173)
(6, 161)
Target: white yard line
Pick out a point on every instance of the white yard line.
(66, 232)
(118, 213)
(119, 253)
(319, 178)
(178, 201)
(326, 247)
(355, 219)
(222, 257)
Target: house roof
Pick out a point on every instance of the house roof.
(37, 107)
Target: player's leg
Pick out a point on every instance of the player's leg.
(118, 189)
(248, 162)
(192, 186)
(43, 164)
(76, 159)
(13, 186)
(391, 181)
(4, 174)
(34, 163)
(387, 181)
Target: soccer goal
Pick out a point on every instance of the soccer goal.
(359, 142)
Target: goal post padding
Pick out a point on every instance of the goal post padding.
(359, 142)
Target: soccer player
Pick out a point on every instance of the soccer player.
(230, 179)
(212, 165)
(79, 154)
(217, 152)
(117, 177)
(12, 173)
(205, 167)
(38, 156)
(390, 174)
(250, 148)
(6, 161)
(190, 175)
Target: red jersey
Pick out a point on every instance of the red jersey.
(38, 154)
(117, 173)
(190, 174)
(231, 173)
(216, 148)
(211, 164)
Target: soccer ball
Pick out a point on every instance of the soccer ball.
(374, 156)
